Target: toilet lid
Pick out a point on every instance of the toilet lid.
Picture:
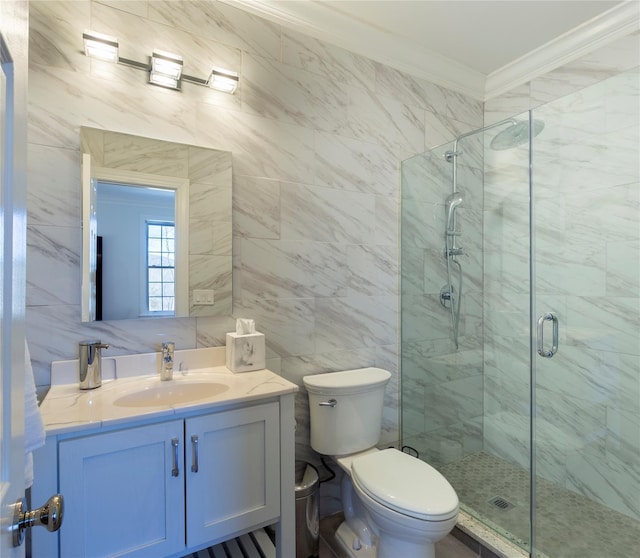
(405, 484)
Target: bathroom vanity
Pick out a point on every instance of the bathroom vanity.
(162, 469)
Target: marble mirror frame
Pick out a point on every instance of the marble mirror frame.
(207, 173)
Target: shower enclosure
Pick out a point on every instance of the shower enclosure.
(521, 321)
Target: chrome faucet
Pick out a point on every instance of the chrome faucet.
(90, 363)
(166, 366)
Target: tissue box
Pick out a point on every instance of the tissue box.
(245, 352)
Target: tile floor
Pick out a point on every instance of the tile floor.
(569, 525)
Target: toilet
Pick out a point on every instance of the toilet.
(394, 504)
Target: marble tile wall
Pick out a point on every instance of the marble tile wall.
(442, 388)
(587, 213)
(316, 134)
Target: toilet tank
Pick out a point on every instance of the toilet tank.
(346, 409)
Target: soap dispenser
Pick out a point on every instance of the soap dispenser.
(90, 363)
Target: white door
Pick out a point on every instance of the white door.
(12, 267)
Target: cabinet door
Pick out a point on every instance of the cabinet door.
(121, 495)
(237, 483)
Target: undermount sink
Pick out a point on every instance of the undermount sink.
(170, 393)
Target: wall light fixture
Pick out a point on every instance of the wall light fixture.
(223, 80)
(103, 47)
(164, 68)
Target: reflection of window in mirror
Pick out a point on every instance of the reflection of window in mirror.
(161, 284)
(136, 224)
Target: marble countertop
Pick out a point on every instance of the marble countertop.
(66, 408)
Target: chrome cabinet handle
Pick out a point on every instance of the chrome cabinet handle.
(330, 403)
(175, 471)
(549, 316)
(194, 454)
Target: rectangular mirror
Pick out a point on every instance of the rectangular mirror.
(156, 230)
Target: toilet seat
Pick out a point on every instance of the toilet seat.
(405, 484)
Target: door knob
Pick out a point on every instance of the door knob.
(50, 516)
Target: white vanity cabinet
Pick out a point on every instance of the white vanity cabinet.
(170, 487)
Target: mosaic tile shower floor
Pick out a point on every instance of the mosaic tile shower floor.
(568, 525)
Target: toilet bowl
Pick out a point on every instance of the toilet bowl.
(394, 504)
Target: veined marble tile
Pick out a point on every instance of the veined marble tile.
(607, 480)
(349, 164)
(207, 166)
(372, 270)
(211, 272)
(333, 63)
(453, 402)
(413, 280)
(418, 92)
(440, 129)
(594, 376)
(623, 434)
(209, 202)
(326, 215)
(53, 333)
(508, 269)
(424, 318)
(427, 177)
(412, 411)
(423, 225)
(369, 114)
(509, 104)
(261, 147)
(355, 322)
(604, 323)
(506, 220)
(275, 90)
(55, 34)
(211, 331)
(588, 70)
(53, 261)
(136, 7)
(140, 154)
(285, 269)
(425, 369)
(256, 207)
(220, 22)
(55, 119)
(222, 239)
(506, 436)
(433, 274)
(623, 268)
(53, 195)
(581, 423)
(387, 219)
(288, 324)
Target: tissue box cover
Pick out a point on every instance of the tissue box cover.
(245, 352)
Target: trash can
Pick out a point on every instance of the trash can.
(307, 510)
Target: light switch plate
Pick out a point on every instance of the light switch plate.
(203, 297)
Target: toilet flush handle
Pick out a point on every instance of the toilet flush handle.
(330, 403)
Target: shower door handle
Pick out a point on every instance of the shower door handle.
(548, 317)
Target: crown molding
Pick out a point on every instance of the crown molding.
(613, 24)
(318, 21)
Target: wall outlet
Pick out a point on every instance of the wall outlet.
(202, 296)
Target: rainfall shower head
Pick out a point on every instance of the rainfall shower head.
(516, 134)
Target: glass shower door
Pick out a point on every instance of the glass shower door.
(586, 281)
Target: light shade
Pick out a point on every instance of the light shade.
(166, 69)
(102, 47)
(223, 80)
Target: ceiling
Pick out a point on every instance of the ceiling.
(478, 47)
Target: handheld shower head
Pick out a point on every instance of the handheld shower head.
(452, 203)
